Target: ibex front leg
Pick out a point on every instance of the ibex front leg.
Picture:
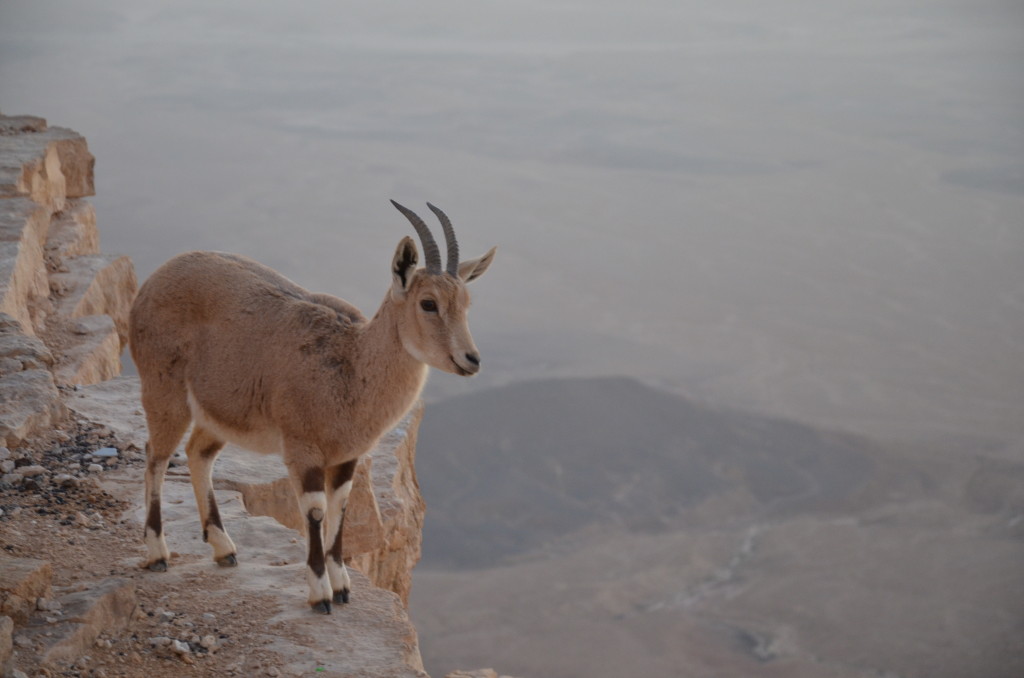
(308, 481)
(339, 485)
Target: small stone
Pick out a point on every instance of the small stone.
(12, 479)
(180, 647)
(23, 642)
(82, 520)
(44, 605)
(105, 452)
(209, 616)
(165, 615)
(17, 673)
(7, 465)
(273, 672)
(209, 642)
(4, 453)
(159, 641)
(32, 471)
(65, 479)
(94, 468)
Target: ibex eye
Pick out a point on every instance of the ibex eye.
(429, 305)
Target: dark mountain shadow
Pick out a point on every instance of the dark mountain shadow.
(510, 469)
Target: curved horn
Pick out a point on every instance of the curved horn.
(431, 253)
(451, 243)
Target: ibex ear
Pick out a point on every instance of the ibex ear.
(403, 267)
(471, 269)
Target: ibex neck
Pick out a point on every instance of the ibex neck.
(398, 376)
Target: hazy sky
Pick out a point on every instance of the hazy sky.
(811, 209)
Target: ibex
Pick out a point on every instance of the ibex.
(253, 359)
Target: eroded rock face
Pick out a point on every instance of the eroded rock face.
(22, 582)
(63, 306)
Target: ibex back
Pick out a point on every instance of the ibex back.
(251, 358)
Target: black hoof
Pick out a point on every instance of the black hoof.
(322, 607)
(228, 561)
(158, 566)
(341, 596)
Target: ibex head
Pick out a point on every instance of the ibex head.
(432, 304)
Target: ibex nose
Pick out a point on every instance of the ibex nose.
(473, 358)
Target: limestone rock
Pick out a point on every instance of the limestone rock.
(47, 164)
(21, 124)
(96, 284)
(114, 404)
(29, 398)
(389, 562)
(105, 608)
(29, 402)
(76, 162)
(91, 352)
(30, 166)
(30, 352)
(24, 288)
(6, 639)
(72, 233)
(43, 223)
(22, 582)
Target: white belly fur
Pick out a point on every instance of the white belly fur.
(264, 441)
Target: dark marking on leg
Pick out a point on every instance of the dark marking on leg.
(342, 595)
(336, 546)
(211, 450)
(214, 515)
(313, 480)
(338, 476)
(153, 523)
(153, 517)
(316, 548)
(342, 473)
(315, 562)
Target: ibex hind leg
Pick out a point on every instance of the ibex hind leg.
(164, 434)
(308, 482)
(202, 450)
(339, 485)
